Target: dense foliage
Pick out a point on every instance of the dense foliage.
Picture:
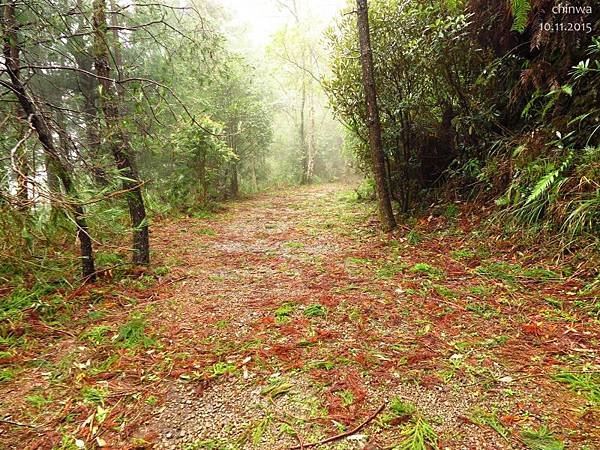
(487, 97)
(147, 99)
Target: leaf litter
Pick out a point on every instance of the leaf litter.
(294, 320)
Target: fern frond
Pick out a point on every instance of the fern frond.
(548, 180)
(520, 12)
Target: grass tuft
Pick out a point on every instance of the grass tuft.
(315, 310)
(132, 334)
(542, 439)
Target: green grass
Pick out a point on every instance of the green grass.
(203, 214)
(161, 271)
(511, 272)
(7, 374)
(451, 211)
(315, 310)
(277, 388)
(445, 292)
(587, 384)
(222, 324)
(132, 334)
(94, 395)
(38, 400)
(347, 397)
(426, 269)
(293, 245)
(206, 231)
(283, 313)
(42, 297)
(96, 335)
(108, 259)
(141, 283)
(482, 291)
(541, 439)
(320, 364)
(390, 269)
(499, 271)
(542, 274)
(482, 309)
(401, 408)
(463, 254)
(413, 237)
(103, 366)
(222, 368)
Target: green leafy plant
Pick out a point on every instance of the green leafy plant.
(401, 408)
(413, 237)
(541, 439)
(315, 310)
(548, 180)
(520, 11)
(94, 395)
(283, 313)
(96, 335)
(222, 368)
(418, 435)
(586, 383)
(347, 397)
(426, 269)
(7, 374)
(463, 254)
(132, 334)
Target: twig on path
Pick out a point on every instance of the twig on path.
(18, 424)
(68, 333)
(344, 434)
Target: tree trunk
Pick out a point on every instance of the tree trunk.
(366, 55)
(254, 180)
(34, 117)
(87, 85)
(312, 141)
(234, 188)
(118, 139)
(303, 151)
(20, 167)
(203, 177)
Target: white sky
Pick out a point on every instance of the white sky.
(259, 19)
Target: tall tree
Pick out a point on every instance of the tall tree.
(117, 137)
(35, 119)
(376, 145)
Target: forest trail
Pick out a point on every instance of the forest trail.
(289, 317)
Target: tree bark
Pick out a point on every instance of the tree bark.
(375, 143)
(312, 141)
(234, 187)
(18, 159)
(303, 151)
(203, 177)
(117, 138)
(34, 117)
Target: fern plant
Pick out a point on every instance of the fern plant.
(548, 181)
(520, 11)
